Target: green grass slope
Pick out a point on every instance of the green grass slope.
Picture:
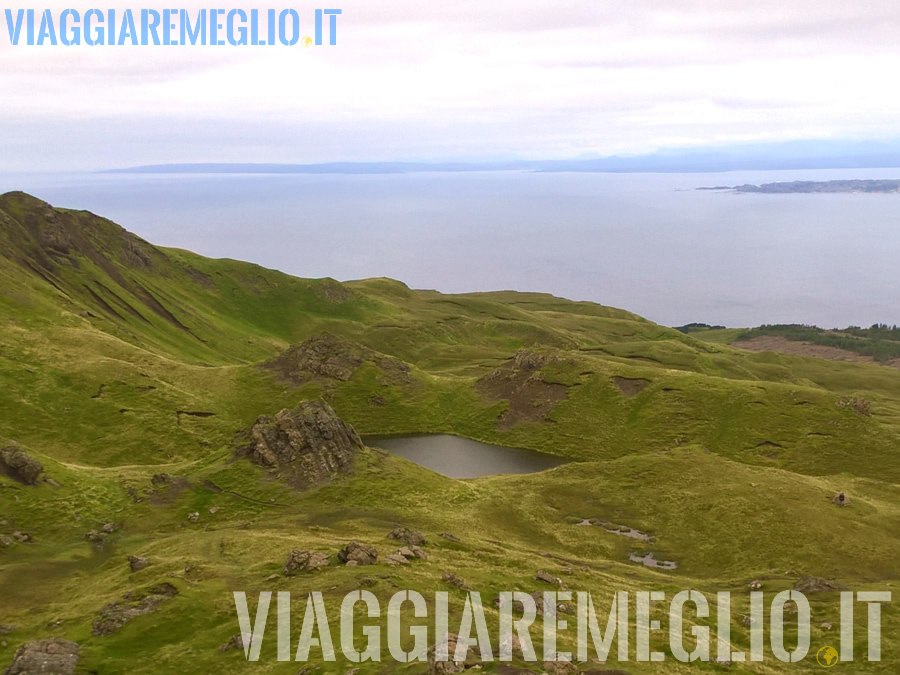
(120, 360)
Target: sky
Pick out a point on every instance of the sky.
(415, 80)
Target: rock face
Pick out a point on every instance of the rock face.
(358, 554)
(50, 657)
(304, 561)
(16, 464)
(115, 615)
(306, 446)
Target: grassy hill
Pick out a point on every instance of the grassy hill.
(120, 360)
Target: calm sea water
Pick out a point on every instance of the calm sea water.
(648, 243)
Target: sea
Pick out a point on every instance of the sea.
(649, 243)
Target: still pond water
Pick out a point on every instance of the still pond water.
(462, 457)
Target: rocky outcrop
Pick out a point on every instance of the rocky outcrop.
(16, 464)
(520, 382)
(53, 656)
(115, 615)
(306, 446)
(303, 561)
(358, 554)
(328, 357)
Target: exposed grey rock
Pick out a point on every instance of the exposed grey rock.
(453, 580)
(137, 563)
(98, 539)
(358, 554)
(234, 642)
(22, 537)
(449, 666)
(53, 656)
(450, 537)
(541, 575)
(304, 561)
(115, 615)
(16, 464)
(307, 446)
(395, 559)
(409, 537)
(808, 585)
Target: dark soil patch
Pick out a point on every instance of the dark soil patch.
(630, 386)
(190, 413)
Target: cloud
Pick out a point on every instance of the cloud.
(418, 80)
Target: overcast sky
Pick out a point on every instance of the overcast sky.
(411, 79)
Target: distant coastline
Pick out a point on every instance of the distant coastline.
(885, 186)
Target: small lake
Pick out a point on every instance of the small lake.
(462, 457)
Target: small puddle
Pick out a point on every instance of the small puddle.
(621, 530)
(648, 560)
(612, 528)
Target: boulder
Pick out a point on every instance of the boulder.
(561, 607)
(303, 561)
(137, 562)
(22, 537)
(453, 580)
(358, 554)
(409, 537)
(234, 642)
(837, 499)
(395, 559)
(541, 575)
(98, 539)
(808, 585)
(307, 446)
(559, 667)
(448, 666)
(53, 656)
(16, 464)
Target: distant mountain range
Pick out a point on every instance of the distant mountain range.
(741, 157)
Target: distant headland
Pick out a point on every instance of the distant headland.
(808, 186)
